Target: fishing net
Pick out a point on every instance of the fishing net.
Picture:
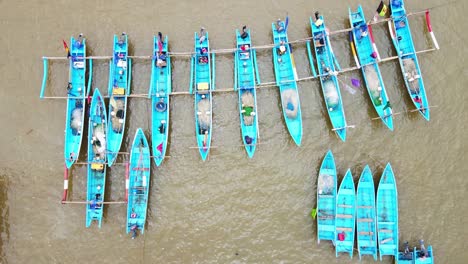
(204, 116)
(99, 141)
(248, 107)
(325, 184)
(76, 119)
(373, 83)
(117, 114)
(331, 94)
(411, 74)
(290, 103)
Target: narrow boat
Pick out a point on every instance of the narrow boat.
(387, 214)
(365, 215)
(370, 67)
(245, 84)
(139, 179)
(76, 100)
(285, 73)
(160, 89)
(118, 90)
(404, 46)
(201, 75)
(328, 76)
(96, 159)
(423, 255)
(326, 199)
(345, 219)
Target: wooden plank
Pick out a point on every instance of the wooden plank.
(364, 233)
(344, 206)
(385, 230)
(345, 229)
(386, 240)
(344, 216)
(365, 220)
(365, 207)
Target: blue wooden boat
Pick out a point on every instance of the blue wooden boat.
(97, 156)
(345, 218)
(285, 73)
(404, 46)
(201, 77)
(387, 214)
(405, 257)
(118, 90)
(76, 100)
(328, 78)
(370, 67)
(365, 215)
(326, 199)
(160, 89)
(423, 255)
(139, 179)
(245, 83)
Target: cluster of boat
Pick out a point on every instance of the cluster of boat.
(372, 218)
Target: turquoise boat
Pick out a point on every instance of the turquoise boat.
(201, 77)
(328, 76)
(120, 69)
(244, 82)
(139, 179)
(75, 101)
(345, 219)
(365, 215)
(404, 46)
(286, 76)
(405, 257)
(159, 91)
(370, 67)
(423, 255)
(97, 155)
(326, 199)
(387, 214)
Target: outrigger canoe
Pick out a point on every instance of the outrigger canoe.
(404, 46)
(328, 76)
(361, 39)
(96, 159)
(365, 215)
(139, 179)
(345, 219)
(326, 199)
(245, 83)
(118, 90)
(76, 100)
(160, 89)
(201, 76)
(387, 214)
(285, 73)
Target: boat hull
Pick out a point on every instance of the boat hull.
(326, 199)
(345, 218)
(365, 215)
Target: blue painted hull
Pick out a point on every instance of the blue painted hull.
(365, 215)
(330, 87)
(246, 86)
(345, 220)
(404, 46)
(420, 259)
(387, 214)
(286, 81)
(118, 90)
(96, 159)
(370, 68)
(139, 182)
(75, 103)
(160, 89)
(326, 199)
(203, 96)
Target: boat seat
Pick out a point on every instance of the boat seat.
(327, 172)
(365, 233)
(118, 91)
(141, 169)
(244, 55)
(386, 186)
(344, 206)
(364, 206)
(386, 241)
(344, 244)
(344, 216)
(386, 223)
(326, 196)
(366, 185)
(345, 229)
(365, 220)
(122, 63)
(97, 166)
(385, 231)
(202, 87)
